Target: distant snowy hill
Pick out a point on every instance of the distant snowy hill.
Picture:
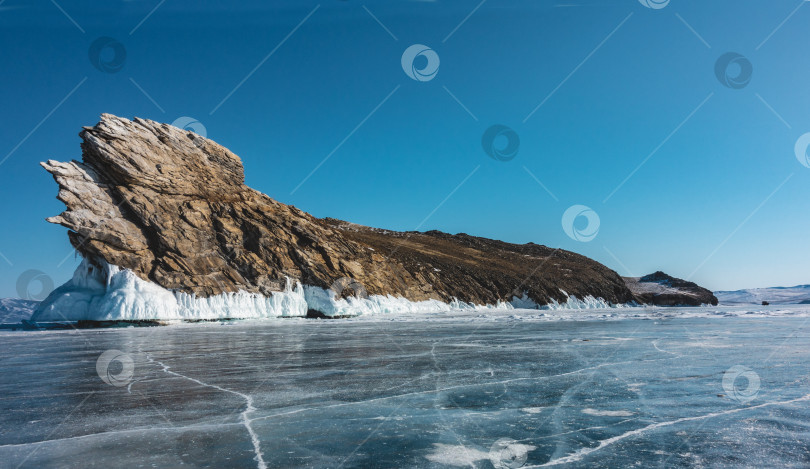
(14, 310)
(774, 295)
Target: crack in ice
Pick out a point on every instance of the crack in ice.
(579, 430)
(578, 455)
(244, 415)
(450, 388)
(458, 438)
(120, 432)
(655, 344)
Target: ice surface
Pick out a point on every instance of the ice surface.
(775, 295)
(456, 455)
(608, 413)
(630, 387)
(110, 293)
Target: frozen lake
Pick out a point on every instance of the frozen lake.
(705, 387)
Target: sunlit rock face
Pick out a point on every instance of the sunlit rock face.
(171, 207)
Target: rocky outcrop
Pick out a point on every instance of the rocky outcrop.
(664, 290)
(172, 207)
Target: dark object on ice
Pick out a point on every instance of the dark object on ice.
(172, 206)
(765, 303)
(804, 302)
(661, 289)
(315, 314)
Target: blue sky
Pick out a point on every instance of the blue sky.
(713, 190)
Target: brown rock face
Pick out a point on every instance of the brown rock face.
(173, 207)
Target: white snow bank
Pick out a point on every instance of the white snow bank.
(110, 293)
(524, 302)
(326, 302)
(113, 294)
(589, 302)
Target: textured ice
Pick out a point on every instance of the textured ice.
(456, 455)
(607, 413)
(428, 390)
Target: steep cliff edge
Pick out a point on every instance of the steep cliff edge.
(172, 207)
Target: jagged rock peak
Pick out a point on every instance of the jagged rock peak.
(172, 207)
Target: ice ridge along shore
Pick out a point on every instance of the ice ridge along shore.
(110, 293)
